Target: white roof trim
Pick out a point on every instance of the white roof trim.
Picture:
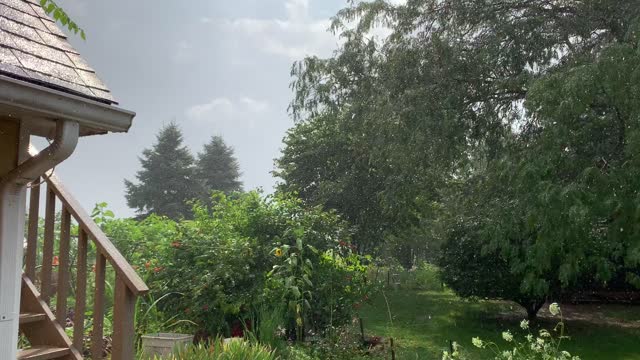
(54, 104)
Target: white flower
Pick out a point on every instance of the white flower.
(554, 309)
(544, 333)
(507, 355)
(566, 354)
(524, 324)
(455, 346)
(540, 341)
(506, 335)
(477, 342)
(445, 355)
(529, 338)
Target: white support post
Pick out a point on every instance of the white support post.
(12, 218)
(12, 222)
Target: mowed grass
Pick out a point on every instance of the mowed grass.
(423, 322)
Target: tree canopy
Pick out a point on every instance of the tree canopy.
(217, 169)
(517, 117)
(167, 179)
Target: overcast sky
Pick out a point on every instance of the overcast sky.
(214, 67)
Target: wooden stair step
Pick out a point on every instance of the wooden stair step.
(42, 353)
(27, 318)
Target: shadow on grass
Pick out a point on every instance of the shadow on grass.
(423, 322)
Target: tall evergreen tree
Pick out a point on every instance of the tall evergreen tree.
(217, 168)
(167, 180)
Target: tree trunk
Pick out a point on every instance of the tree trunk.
(532, 310)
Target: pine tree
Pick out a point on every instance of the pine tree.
(166, 181)
(217, 168)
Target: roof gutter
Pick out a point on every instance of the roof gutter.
(64, 142)
(54, 104)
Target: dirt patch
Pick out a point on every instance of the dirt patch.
(591, 313)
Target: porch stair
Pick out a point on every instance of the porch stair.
(39, 325)
(67, 270)
(43, 353)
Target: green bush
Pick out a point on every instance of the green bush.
(426, 276)
(242, 253)
(234, 350)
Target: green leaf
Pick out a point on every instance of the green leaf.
(306, 280)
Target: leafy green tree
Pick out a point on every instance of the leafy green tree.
(167, 181)
(217, 169)
(52, 9)
(324, 168)
(473, 269)
(519, 116)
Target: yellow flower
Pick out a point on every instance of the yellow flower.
(278, 252)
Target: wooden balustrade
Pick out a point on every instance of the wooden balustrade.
(56, 269)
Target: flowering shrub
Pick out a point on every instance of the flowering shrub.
(215, 267)
(322, 288)
(544, 345)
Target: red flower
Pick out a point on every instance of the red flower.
(56, 261)
(147, 265)
(205, 307)
(175, 244)
(342, 243)
(157, 269)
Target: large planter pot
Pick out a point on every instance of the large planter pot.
(163, 345)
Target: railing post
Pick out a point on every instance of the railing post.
(81, 292)
(123, 322)
(98, 308)
(47, 250)
(32, 236)
(63, 267)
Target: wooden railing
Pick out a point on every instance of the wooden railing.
(41, 261)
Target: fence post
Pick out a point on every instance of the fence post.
(393, 350)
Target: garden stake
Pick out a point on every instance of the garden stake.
(361, 329)
(393, 350)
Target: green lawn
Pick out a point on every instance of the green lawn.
(424, 322)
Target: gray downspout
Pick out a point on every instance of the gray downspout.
(12, 221)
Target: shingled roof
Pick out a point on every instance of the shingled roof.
(33, 49)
